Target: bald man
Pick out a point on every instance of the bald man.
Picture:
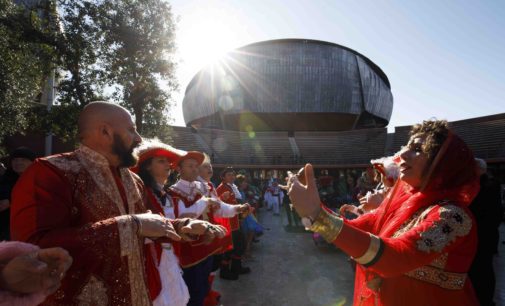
(89, 203)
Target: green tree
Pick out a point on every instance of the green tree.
(25, 61)
(138, 55)
(120, 50)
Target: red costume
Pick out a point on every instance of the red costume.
(78, 202)
(196, 257)
(192, 253)
(226, 242)
(417, 247)
(222, 188)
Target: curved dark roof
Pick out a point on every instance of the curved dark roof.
(376, 68)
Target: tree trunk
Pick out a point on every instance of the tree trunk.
(139, 116)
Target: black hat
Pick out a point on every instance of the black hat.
(23, 152)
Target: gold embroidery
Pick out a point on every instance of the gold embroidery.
(93, 293)
(125, 224)
(98, 167)
(136, 272)
(65, 164)
(413, 221)
(133, 194)
(440, 261)
(441, 278)
(453, 223)
(130, 245)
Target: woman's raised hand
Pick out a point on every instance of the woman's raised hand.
(303, 192)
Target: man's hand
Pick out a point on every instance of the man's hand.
(213, 204)
(305, 198)
(371, 201)
(195, 228)
(154, 226)
(284, 187)
(244, 209)
(358, 211)
(41, 270)
(225, 196)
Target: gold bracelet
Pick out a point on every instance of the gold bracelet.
(372, 251)
(327, 225)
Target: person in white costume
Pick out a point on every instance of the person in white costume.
(273, 197)
(154, 166)
(191, 200)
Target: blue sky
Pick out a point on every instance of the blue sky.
(444, 59)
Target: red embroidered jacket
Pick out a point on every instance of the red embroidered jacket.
(75, 201)
(222, 188)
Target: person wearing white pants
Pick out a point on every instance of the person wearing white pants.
(274, 197)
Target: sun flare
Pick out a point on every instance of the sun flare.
(206, 40)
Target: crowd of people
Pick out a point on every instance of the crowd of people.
(129, 221)
(131, 239)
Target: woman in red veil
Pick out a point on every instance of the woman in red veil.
(417, 247)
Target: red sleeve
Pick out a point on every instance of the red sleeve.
(226, 222)
(442, 230)
(41, 214)
(220, 190)
(364, 222)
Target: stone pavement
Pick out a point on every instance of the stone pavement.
(289, 269)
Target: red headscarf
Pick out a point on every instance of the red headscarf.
(452, 176)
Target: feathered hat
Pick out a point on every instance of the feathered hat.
(150, 148)
(387, 167)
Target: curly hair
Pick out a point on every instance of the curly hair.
(240, 179)
(435, 133)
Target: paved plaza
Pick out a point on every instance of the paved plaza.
(289, 269)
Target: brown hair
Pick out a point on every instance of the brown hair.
(226, 170)
(435, 133)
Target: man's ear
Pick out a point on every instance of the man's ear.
(106, 131)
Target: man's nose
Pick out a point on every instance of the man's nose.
(138, 138)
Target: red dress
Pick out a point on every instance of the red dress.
(74, 201)
(428, 238)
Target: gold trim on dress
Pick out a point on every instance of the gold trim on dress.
(125, 228)
(439, 277)
(130, 244)
(371, 252)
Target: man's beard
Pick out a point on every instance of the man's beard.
(125, 154)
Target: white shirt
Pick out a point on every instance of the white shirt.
(192, 190)
(237, 193)
(168, 206)
(226, 210)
